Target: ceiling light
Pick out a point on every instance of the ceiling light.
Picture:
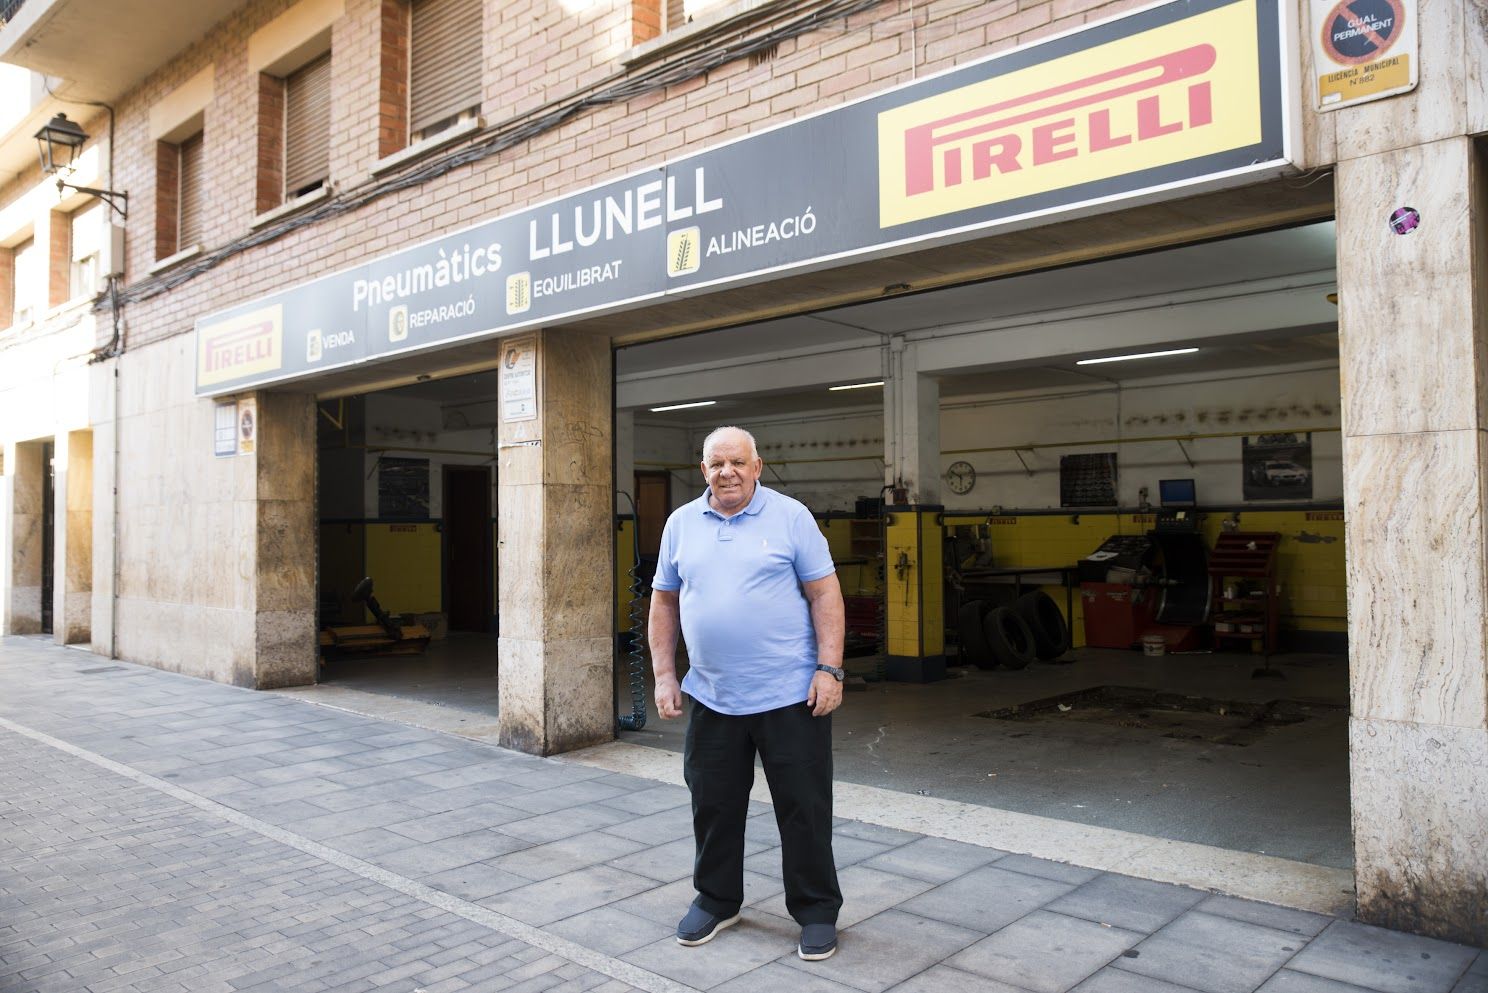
(856, 386)
(1139, 355)
(684, 406)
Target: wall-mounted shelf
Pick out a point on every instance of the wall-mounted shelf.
(1249, 559)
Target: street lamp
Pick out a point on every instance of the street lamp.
(57, 143)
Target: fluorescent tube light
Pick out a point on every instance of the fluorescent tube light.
(1139, 355)
(855, 386)
(684, 406)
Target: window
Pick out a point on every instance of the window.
(193, 196)
(307, 127)
(30, 283)
(88, 231)
(444, 81)
(180, 195)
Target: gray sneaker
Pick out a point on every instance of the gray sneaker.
(698, 927)
(818, 941)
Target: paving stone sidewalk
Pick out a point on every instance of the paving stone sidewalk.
(162, 833)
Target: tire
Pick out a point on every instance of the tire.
(1051, 636)
(1009, 637)
(974, 648)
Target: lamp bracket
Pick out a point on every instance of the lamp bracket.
(115, 199)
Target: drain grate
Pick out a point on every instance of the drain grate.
(1171, 715)
(102, 668)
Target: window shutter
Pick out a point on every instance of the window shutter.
(445, 70)
(193, 193)
(307, 127)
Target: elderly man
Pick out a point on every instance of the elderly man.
(747, 574)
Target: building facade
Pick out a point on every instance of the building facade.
(338, 158)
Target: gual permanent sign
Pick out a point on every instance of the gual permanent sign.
(1181, 96)
(1364, 50)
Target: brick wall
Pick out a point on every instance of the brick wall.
(270, 130)
(59, 258)
(537, 52)
(7, 287)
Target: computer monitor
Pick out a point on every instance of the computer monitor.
(1177, 493)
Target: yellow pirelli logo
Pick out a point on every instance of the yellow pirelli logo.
(245, 345)
(1174, 93)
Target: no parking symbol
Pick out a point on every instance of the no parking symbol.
(1364, 50)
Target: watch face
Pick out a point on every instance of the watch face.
(960, 477)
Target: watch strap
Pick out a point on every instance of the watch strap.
(831, 670)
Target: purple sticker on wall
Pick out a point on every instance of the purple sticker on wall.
(1405, 220)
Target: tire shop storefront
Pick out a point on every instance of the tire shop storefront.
(1232, 739)
(1171, 126)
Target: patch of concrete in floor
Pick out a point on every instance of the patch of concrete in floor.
(1242, 874)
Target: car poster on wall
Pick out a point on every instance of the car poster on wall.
(1277, 466)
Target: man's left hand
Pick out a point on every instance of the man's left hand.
(825, 695)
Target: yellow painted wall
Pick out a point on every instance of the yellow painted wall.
(624, 563)
(1310, 569)
(404, 559)
(917, 537)
(342, 567)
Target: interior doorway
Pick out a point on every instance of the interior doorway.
(653, 504)
(468, 569)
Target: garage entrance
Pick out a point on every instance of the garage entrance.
(1151, 442)
(407, 496)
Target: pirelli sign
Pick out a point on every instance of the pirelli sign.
(1177, 93)
(1162, 102)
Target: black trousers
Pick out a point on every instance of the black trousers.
(796, 751)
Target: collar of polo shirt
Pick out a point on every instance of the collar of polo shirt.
(754, 506)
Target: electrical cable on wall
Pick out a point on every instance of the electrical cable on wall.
(636, 719)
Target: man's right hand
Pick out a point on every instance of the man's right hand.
(668, 698)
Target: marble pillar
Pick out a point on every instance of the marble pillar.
(284, 522)
(555, 547)
(914, 620)
(25, 477)
(72, 611)
(1414, 357)
(912, 426)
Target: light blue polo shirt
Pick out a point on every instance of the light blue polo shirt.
(750, 643)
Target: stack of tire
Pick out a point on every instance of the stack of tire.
(1012, 635)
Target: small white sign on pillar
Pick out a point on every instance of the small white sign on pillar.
(225, 429)
(519, 379)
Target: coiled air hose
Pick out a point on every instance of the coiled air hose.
(636, 719)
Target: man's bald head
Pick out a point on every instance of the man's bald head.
(732, 433)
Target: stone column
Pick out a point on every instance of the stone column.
(554, 537)
(1414, 358)
(914, 616)
(285, 523)
(912, 425)
(25, 475)
(72, 599)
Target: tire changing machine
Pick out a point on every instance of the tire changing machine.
(1137, 585)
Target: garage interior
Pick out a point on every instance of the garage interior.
(407, 496)
(1193, 704)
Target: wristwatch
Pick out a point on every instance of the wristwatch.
(831, 670)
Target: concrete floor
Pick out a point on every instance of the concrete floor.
(1284, 794)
